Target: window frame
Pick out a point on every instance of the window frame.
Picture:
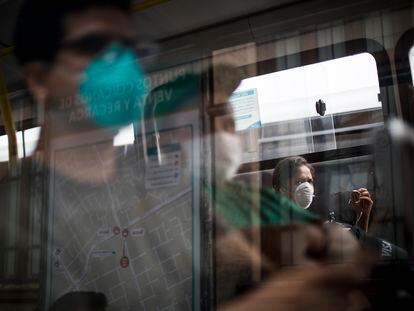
(403, 70)
(326, 53)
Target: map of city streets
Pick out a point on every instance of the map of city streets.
(130, 238)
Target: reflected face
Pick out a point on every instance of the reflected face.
(228, 148)
(224, 122)
(86, 34)
(79, 44)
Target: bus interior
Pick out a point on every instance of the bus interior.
(332, 82)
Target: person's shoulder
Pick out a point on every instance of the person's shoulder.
(274, 207)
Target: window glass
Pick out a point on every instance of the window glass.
(323, 106)
(124, 137)
(31, 137)
(4, 146)
(411, 57)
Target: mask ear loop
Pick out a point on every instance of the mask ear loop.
(156, 132)
(157, 135)
(144, 135)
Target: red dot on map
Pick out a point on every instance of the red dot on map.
(124, 262)
(125, 233)
(116, 230)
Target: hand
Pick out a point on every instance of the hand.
(362, 205)
(308, 287)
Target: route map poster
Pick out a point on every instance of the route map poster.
(133, 241)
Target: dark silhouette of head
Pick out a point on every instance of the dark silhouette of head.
(80, 301)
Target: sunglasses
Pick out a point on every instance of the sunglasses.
(93, 44)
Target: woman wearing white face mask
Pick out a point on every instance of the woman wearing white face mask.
(293, 177)
(304, 193)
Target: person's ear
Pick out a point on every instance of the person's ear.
(36, 79)
(283, 191)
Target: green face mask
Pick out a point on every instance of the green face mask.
(113, 87)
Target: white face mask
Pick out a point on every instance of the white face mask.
(304, 194)
(228, 154)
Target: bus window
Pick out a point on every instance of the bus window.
(319, 107)
(404, 67)
(125, 136)
(26, 143)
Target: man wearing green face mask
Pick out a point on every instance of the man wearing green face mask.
(80, 67)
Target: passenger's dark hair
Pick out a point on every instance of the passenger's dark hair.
(90, 301)
(40, 25)
(286, 169)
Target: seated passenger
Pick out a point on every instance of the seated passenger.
(318, 285)
(293, 177)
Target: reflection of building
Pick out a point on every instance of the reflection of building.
(318, 134)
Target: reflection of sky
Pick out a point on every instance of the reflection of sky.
(345, 84)
(411, 57)
(31, 136)
(125, 136)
